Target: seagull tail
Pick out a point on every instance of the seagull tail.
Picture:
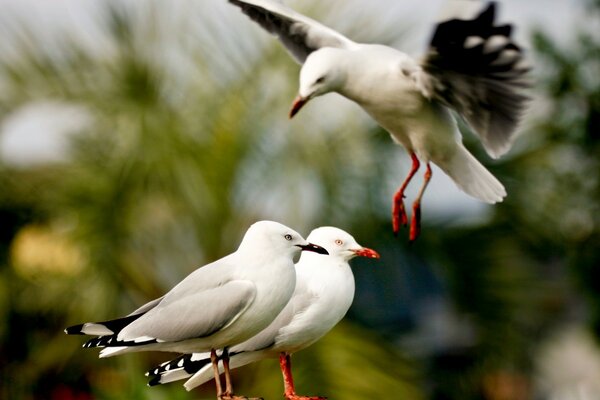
(472, 177)
(205, 373)
(102, 328)
(181, 367)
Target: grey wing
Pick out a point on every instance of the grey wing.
(299, 34)
(147, 307)
(474, 67)
(194, 315)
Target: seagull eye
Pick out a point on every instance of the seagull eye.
(339, 242)
(288, 237)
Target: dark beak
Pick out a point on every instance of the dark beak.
(313, 247)
(365, 252)
(298, 103)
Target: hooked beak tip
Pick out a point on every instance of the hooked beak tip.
(298, 103)
(366, 252)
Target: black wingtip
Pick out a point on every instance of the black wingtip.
(488, 15)
(74, 330)
(154, 381)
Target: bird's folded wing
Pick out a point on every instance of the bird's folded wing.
(298, 33)
(147, 307)
(194, 315)
(474, 67)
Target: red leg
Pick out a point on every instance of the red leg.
(415, 222)
(285, 362)
(398, 211)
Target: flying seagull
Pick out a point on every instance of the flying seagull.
(216, 306)
(472, 67)
(323, 295)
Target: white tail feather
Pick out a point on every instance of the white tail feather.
(176, 374)
(92, 328)
(113, 351)
(205, 374)
(472, 177)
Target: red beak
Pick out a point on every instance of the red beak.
(298, 103)
(365, 252)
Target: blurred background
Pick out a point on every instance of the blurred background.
(139, 140)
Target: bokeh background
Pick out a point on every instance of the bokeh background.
(139, 140)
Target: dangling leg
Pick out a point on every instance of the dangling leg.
(285, 362)
(215, 364)
(398, 211)
(228, 394)
(415, 222)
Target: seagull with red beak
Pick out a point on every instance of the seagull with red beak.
(324, 292)
(472, 67)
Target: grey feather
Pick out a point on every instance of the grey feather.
(185, 317)
(147, 307)
(299, 34)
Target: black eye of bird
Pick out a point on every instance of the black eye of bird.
(321, 79)
(288, 237)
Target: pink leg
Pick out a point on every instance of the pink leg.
(215, 364)
(398, 211)
(285, 362)
(415, 222)
(228, 394)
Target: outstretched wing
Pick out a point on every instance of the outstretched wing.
(298, 33)
(474, 67)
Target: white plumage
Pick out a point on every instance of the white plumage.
(324, 292)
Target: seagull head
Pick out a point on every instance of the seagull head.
(340, 244)
(273, 236)
(320, 74)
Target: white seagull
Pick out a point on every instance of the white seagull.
(324, 292)
(472, 67)
(218, 305)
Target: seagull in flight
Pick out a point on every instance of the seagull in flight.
(472, 67)
(324, 292)
(216, 306)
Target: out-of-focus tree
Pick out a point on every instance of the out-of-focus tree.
(181, 152)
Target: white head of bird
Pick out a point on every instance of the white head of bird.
(320, 74)
(339, 244)
(269, 236)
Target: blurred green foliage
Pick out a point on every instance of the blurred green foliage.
(186, 145)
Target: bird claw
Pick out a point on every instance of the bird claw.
(415, 223)
(399, 217)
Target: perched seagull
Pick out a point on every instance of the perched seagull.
(472, 67)
(216, 306)
(324, 292)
